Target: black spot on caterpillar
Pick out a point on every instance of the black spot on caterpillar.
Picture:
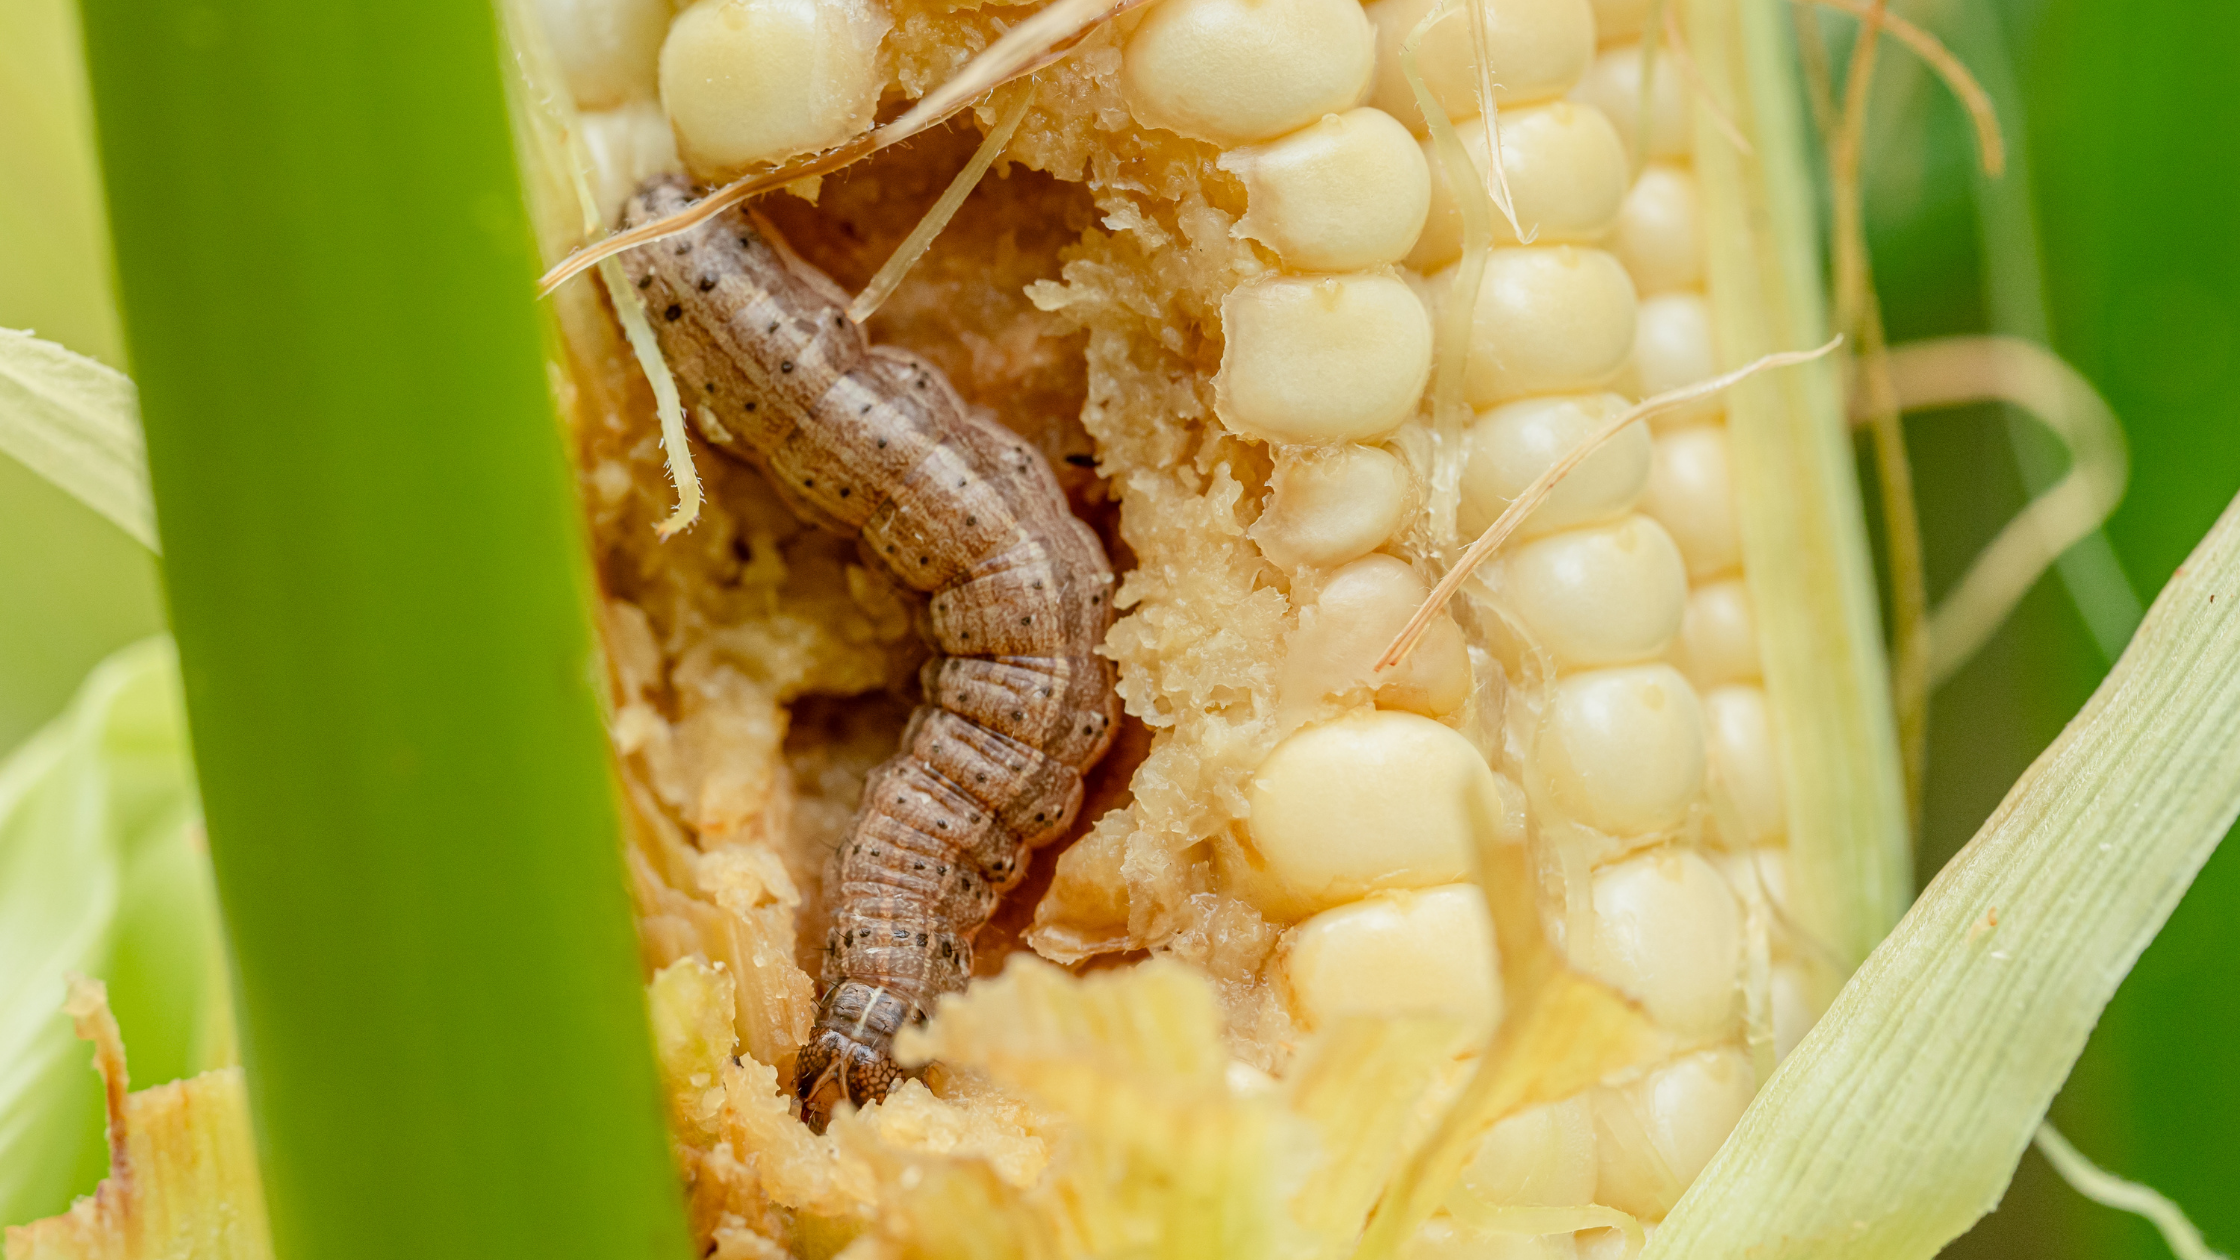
(872, 443)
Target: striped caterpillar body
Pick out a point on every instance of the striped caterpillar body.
(873, 443)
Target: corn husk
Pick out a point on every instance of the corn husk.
(1899, 1119)
(1796, 491)
(183, 1177)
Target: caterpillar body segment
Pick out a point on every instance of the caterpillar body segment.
(873, 443)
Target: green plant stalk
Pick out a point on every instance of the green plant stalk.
(376, 578)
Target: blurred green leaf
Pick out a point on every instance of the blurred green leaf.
(73, 588)
(102, 872)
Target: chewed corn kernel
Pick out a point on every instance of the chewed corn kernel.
(1333, 504)
(1659, 236)
(1540, 48)
(626, 144)
(1548, 321)
(1718, 635)
(1613, 85)
(1621, 750)
(1542, 1156)
(1657, 1133)
(1744, 764)
(1672, 347)
(1510, 446)
(1369, 801)
(747, 81)
(1566, 172)
(1239, 71)
(1397, 953)
(1691, 493)
(1356, 613)
(1347, 192)
(608, 50)
(1598, 595)
(1666, 929)
(1323, 358)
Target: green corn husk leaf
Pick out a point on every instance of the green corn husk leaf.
(1796, 491)
(102, 872)
(1899, 1119)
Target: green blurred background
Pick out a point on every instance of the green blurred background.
(2108, 239)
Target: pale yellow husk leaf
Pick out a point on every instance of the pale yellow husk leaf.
(1899, 1119)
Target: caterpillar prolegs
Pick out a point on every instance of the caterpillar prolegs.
(873, 443)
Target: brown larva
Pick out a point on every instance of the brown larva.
(871, 442)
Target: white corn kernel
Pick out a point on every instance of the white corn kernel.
(1672, 347)
(1666, 931)
(1323, 358)
(1370, 801)
(626, 145)
(1769, 866)
(1599, 595)
(1655, 1134)
(1792, 1008)
(1353, 619)
(1718, 635)
(1621, 20)
(1567, 176)
(1348, 192)
(1613, 85)
(1238, 71)
(1745, 768)
(1540, 1157)
(1558, 320)
(1328, 505)
(747, 81)
(1397, 953)
(1539, 47)
(1659, 236)
(1508, 448)
(1691, 493)
(1621, 750)
(609, 50)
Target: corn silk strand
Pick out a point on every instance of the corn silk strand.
(1957, 371)
(1535, 494)
(546, 117)
(2108, 1190)
(890, 274)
